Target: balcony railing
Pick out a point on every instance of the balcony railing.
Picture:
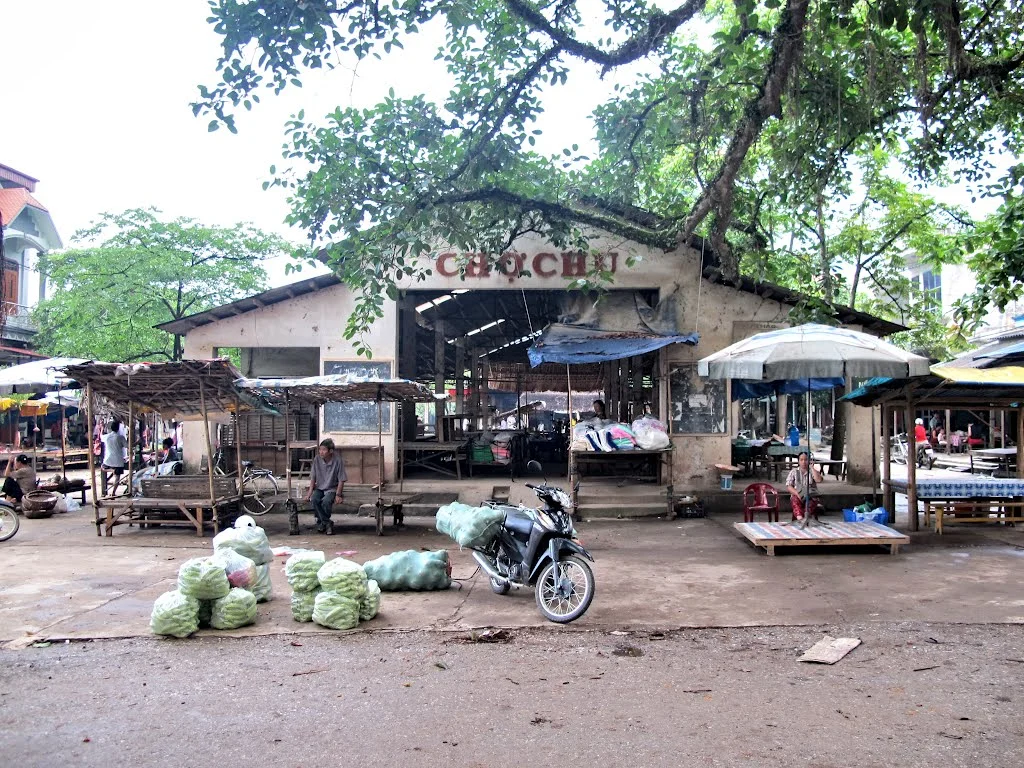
(19, 317)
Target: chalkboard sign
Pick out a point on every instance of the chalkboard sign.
(357, 416)
(698, 405)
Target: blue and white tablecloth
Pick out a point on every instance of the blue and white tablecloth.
(963, 488)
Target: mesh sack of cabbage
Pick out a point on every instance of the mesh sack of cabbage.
(261, 587)
(335, 611)
(343, 577)
(301, 570)
(469, 526)
(251, 542)
(410, 570)
(240, 570)
(175, 614)
(236, 609)
(302, 604)
(203, 579)
(369, 605)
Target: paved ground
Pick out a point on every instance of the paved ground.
(58, 580)
(911, 695)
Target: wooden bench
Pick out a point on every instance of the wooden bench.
(362, 500)
(979, 510)
(171, 500)
(835, 467)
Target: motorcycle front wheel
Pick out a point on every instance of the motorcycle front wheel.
(9, 522)
(565, 589)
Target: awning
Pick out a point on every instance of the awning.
(615, 326)
(1012, 374)
(745, 389)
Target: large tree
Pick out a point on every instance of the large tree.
(131, 271)
(740, 115)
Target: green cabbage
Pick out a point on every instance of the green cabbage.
(234, 610)
(261, 586)
(249, 541)
(369, 606)
(302, 604)
(203, 579)
(301, 570)
(335, 611)
(343, 577)
(175, 614)
(410, 570)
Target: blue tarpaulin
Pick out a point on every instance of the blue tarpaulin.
(569, 344)
(618, 325)
(745, 389)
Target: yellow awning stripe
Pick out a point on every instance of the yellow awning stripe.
(1012, 374)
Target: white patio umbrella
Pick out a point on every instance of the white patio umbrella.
(47, 373)
(811, 351)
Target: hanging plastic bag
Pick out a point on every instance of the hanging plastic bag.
(240, 570)
(251, 542)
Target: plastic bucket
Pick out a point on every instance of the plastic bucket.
(726, 483)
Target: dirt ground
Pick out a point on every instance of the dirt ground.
(912, 695)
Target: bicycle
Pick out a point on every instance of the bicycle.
(9, 521)
(257, 485)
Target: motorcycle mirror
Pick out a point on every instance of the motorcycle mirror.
(534, 466)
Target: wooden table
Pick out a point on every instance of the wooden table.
(660, 459)
(967, 498)
(1005, 457)
(435, 456)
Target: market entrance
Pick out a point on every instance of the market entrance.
(501, 411)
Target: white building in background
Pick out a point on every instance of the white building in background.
(950, 283)
(28, 231)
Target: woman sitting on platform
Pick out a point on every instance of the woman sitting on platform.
(802, 483)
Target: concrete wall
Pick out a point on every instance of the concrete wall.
(720, 315)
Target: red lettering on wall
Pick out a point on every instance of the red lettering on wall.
(611, 264)
(442, 265)
(574, 264)
(511, 264)
(538, 265)
(478, 266)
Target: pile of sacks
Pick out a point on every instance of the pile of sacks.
(220, 591)
(411, 570)
(332, 593)
(469, 526)
(646, 433)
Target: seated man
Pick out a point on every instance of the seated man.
(20, 479)
(802, 482)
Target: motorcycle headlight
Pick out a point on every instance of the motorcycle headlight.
(562, 499)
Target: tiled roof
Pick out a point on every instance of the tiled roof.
(14, 200)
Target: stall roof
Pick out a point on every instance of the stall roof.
(337, 388)
(172, 389)
(946, 388)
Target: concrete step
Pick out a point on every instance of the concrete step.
(615, 510)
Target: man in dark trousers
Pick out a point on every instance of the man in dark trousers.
(326, 485)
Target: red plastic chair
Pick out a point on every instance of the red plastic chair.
(760, 497)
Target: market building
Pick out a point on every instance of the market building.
(472, 332)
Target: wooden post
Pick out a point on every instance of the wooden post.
(380, 446)
(911, 468)
(949, 430)
(1020, 442)
(209, 454)
(92, 457)
(439, 345)
(460, 379)
(238, 446)
(888, 495)
(474, 387)
(1002, 428)
(131, 447)
(519, 394)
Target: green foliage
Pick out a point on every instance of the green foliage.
(131, 271)
(997, 254)
(748, 122)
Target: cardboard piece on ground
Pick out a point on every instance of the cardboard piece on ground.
(829, 650)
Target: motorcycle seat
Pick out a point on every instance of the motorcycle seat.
(519, 523)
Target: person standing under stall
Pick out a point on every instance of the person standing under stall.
(115, 448)
(802, 483)
(326, 485)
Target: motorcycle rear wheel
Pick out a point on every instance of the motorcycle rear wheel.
(9, 522)
(563, 609)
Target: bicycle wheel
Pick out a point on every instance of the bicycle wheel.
(260, 488)
(9, 522)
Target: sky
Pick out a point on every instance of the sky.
(96, 105)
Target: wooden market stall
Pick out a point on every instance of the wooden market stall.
(189, 390)
(963, 497)
(318, 391)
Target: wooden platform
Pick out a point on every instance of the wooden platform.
(772, 535)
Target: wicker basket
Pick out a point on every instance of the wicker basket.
(38, 504)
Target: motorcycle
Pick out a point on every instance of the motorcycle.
(9, 520)
(538, 548)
